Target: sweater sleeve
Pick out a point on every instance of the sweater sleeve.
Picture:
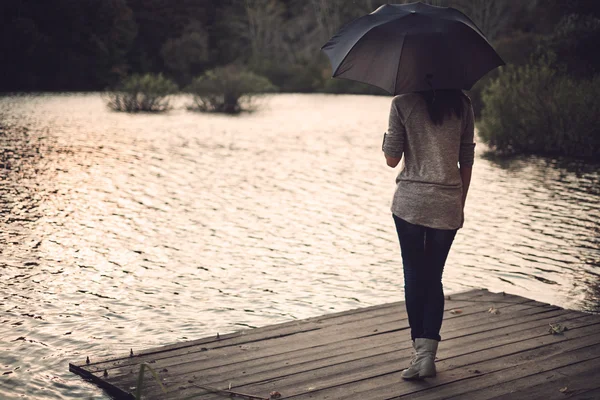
(466, 156)
(393, 140)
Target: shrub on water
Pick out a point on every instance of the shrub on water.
(136, 93)
(536, 109)
(229, 89)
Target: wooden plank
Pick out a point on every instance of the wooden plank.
(512, 315)
(297, 382)
(462, 354)
(575, 378)
(589, 395)
(117, 392)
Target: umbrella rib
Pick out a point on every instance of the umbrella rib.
(398, 67)
(355, 43)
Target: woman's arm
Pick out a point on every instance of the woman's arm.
(393, 139)
(466, 156)
(465, 176)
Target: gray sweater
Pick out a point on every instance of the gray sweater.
(429, 186)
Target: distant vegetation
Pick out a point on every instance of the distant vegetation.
(229, 90)
(550, 104)
(100, 43)
(535, 109)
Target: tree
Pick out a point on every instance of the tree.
(328, 14)
(86, 50)
(490, 16)
(264, 22)
(186, 55)
(575, 42)
(159, 21)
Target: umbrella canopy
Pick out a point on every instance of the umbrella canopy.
(405, 48)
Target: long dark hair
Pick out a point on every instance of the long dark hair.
(444, 103)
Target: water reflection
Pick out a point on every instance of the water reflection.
(123, 231)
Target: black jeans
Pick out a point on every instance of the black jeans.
(424, 252)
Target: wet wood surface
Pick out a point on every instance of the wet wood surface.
(494, 345)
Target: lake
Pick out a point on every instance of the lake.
(122, 232)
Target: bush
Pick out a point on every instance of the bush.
(535, 109)
(514, 50)
(187, 53)
(229, 90)
(142, 93)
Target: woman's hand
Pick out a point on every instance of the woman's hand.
(392, 161)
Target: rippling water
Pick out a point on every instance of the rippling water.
(130, 231)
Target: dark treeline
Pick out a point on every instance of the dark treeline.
(72, 45)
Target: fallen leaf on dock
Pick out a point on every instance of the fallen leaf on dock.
(493, 310)
(557, 329)
(563, 390)
(455, 312)
(274, 395)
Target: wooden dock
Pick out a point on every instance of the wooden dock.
(493, 346)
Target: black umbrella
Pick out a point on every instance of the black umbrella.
(404, 48)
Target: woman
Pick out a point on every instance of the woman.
(433, 130)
